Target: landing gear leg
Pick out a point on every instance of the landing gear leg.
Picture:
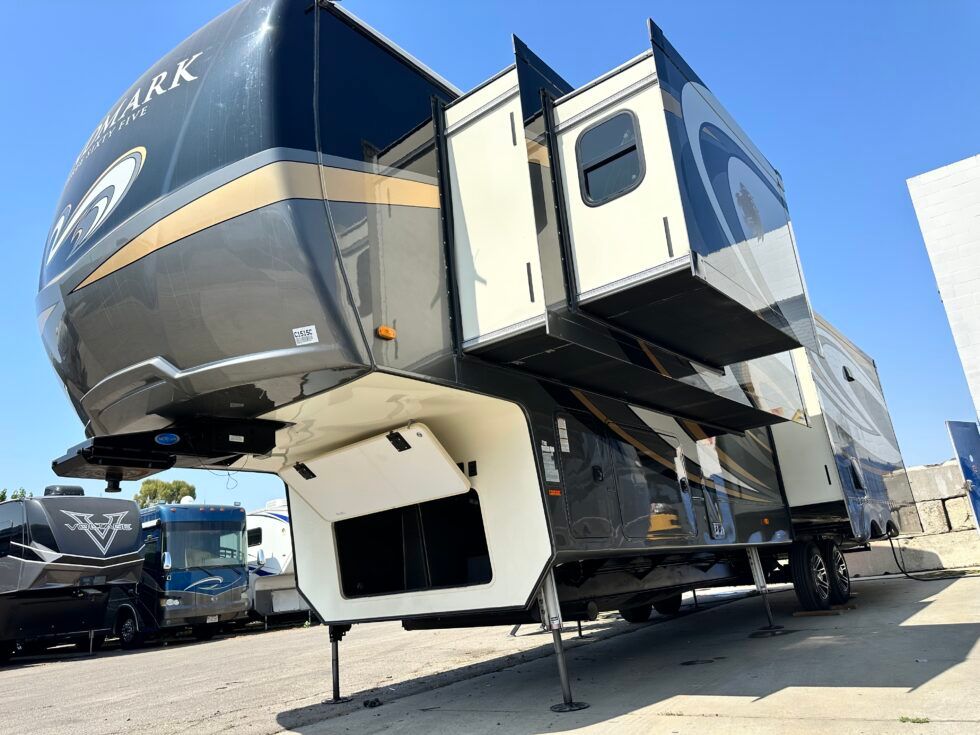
(337, 633)
(551, 617)
(755, 564)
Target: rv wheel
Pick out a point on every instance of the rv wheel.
(639, 614)
(129, 634)
(669, 605)
(811, 579)
(840, 578)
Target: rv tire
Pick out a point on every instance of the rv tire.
(128, 631)
(639, 614)
(669, 605)
(837, 572)
(811, 579)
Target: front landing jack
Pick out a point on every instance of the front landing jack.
(755, 564)
(551, 616)
(337, 633)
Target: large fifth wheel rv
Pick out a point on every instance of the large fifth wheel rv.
(517, 353)
(69, 566)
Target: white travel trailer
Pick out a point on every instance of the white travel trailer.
(271, 578)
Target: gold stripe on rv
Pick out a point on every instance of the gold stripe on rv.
(270, 184)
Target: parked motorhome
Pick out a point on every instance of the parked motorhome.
(194, 572)
(69, 566)
(517, 353)
(272, 588)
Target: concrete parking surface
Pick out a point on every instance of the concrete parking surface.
(904, 660)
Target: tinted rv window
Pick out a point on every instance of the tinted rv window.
(254, 537)
(610, 161)
(11, 526)
(40, 528)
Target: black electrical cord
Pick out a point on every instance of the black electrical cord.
(901, 565)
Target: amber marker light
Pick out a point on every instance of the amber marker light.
(386, 332)
(765, 521)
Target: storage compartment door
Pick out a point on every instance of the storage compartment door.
(403, 467)
(588, 468)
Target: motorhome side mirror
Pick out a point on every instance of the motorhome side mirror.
(260, 558)
(167, 562)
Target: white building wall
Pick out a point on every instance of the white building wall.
(947, 203)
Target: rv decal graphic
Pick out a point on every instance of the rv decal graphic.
(134, 106)
(208, 583)
(75, 226)
(102, 534)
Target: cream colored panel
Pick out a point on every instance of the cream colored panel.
(374, 475)
(469, 427)
(493, 211)
(806, 457)
(625, 236)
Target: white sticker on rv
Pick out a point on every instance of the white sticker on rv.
(563, 436)
(548, 463)
(305, 335)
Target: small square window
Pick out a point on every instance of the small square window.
(610, 159)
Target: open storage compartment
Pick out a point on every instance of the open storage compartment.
(442, 544)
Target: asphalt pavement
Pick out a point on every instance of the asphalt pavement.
(905, 659)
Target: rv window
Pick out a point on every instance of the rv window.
(610, 160)
(40, 529)
(856, 475)
(151, 551)
(11, 526)
(254, 537)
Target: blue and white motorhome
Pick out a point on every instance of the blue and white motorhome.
(194, 571)
(69, 567)
(272, 588)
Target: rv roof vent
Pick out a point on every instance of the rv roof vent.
(277, 503)
(187, 500)
(63, 490)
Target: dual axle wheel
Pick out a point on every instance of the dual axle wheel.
(819, 573)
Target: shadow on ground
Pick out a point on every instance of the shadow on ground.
(888, 641)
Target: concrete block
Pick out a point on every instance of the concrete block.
(958, 513)
(936, 481)
(908, 519)
(933, 516)
(918, 554)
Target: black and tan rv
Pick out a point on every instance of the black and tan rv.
(69, 566)
(517, 353)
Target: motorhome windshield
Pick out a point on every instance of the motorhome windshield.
(206, 544)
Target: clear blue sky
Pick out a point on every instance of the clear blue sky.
(847, 99)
